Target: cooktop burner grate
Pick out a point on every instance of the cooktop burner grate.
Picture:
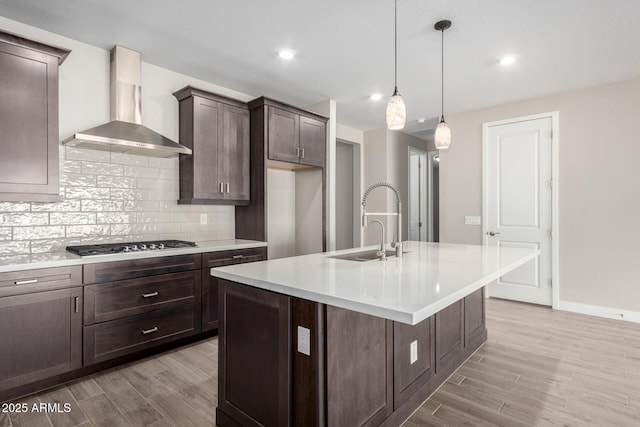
(132, 247)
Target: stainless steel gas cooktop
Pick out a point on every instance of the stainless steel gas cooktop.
(116, 248)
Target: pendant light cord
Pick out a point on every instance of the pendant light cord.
(442, 76)
(395, 49)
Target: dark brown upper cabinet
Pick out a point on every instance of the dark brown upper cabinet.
(29, 144)
(217, 129)
(294, 135)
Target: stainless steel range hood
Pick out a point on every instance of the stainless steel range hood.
(125, 132)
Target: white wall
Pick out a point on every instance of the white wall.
(281, 213)
(598, 184)
(308, 211)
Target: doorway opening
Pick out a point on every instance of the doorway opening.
(347, 195)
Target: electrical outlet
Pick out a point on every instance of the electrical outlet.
(413, 349)
(304, 341)
(472, 220)
(204, 218)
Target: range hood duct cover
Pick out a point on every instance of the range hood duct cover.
(125, 132)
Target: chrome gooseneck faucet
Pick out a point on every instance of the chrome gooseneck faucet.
(397, 244)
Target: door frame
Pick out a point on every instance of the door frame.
(555, 191)
(431, 155)
(415, 150)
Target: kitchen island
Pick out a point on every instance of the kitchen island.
(322, 339)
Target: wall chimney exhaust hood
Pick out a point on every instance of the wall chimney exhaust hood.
(125, 132)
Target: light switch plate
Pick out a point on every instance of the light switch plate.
(203, 218)
(414, 351)
(304, 341)
(472, 220)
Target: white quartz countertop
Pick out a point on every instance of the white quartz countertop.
(428, 278)
(62, 259)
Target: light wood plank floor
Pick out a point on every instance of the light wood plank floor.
(539, 367)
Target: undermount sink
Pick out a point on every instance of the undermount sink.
(363, 256)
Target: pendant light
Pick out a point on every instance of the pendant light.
(396, 111)
(442, 137)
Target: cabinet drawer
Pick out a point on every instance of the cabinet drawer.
(104, 341)
(236, 256)
(130, 269)
(43, 279)
(114, 300)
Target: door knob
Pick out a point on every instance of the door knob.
(492, 233)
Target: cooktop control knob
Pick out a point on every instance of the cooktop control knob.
(161, 246)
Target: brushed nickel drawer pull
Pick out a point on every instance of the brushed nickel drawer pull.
(237, 256)
(302, 153)
(25, 282)
(76, 304)
(149, 295)
(222, 187)
(150, 331)
(227, 184)
(297, 151)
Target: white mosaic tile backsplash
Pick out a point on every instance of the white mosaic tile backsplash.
(110, 197)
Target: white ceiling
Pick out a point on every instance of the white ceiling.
(345, 47)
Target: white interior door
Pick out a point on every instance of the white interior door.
(517, 202)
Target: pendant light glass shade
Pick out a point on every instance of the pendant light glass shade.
(442, 138)
(396, 112)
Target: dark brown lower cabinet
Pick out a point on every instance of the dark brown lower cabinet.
(254, 357)
(409, 374)
(40, 336)
(210, 283)
(108, 340)
(360, 370)
(449, 334)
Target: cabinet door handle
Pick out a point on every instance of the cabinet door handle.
(25, 282)
(76, 304)
(302, 153)
(149, 295)
(222, 187)
(297, 151)
(227, 187)
(237, 256)
(150, 331)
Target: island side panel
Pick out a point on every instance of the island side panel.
(254, 370)
(475, 331)
(359, 368)
(308, 385)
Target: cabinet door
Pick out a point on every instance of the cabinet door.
(207, 138)
(413, 358)
(449, 335)
(313, 141)
(234, 153)
(474, 319)
(41, 336)
(284, 135)
(359, 368)
(210, 283)
(29, 125)
(254, 365)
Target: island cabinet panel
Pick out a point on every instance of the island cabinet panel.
(40, 337)
(29, 144)
(475, 331)
(359, 368)
(210, 283)
(449, 335)
(254, 357)
(409, 374)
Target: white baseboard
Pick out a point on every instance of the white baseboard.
(595, 310)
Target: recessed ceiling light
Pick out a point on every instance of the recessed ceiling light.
(286, 54)
(508, 60)
(376, 97)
